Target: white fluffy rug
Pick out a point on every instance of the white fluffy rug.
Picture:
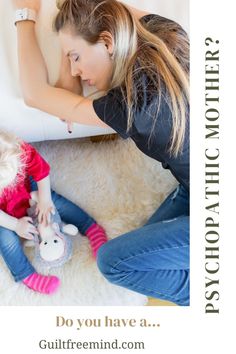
(120, 187)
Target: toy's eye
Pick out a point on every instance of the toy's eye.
(45, 243)
(55, 241)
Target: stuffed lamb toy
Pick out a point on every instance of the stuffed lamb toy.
(53, 245)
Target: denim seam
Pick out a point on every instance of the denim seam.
(155, 251)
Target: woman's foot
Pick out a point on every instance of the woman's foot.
(42, 283)
(97, 237)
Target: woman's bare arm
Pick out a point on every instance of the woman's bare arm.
(136, 12)
(35, 86)
(37, 91)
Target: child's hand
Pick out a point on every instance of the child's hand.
(25, 228)
(44, 210)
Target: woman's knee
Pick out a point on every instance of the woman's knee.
(103, 259)
(107, 261)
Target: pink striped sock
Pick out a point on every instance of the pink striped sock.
(42, 283)
(97, 237)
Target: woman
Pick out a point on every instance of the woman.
(139, 64)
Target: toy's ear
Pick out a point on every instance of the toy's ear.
(55, 227)
(70, 230)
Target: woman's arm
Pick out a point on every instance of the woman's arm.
(36, 90)
(136, 12)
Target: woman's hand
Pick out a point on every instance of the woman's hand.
(30, 4)
(25, 228)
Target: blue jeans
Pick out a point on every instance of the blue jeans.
(10, 244)
(153, 260)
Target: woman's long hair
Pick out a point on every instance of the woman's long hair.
(163, 55)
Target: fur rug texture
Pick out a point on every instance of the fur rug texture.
(120, 187)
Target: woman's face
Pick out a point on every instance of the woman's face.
(92, 62)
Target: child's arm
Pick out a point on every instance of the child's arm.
(23, 226)
(8, 221)
(45, 205)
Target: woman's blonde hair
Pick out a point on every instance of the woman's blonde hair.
(11, 163)
(163, 56)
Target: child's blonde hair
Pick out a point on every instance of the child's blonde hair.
(10, 159)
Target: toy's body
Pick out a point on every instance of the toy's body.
(53, 246)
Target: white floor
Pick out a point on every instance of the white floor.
(118, 186)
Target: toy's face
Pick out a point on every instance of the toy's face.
(52, 246)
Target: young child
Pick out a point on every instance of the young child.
(20, 162)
